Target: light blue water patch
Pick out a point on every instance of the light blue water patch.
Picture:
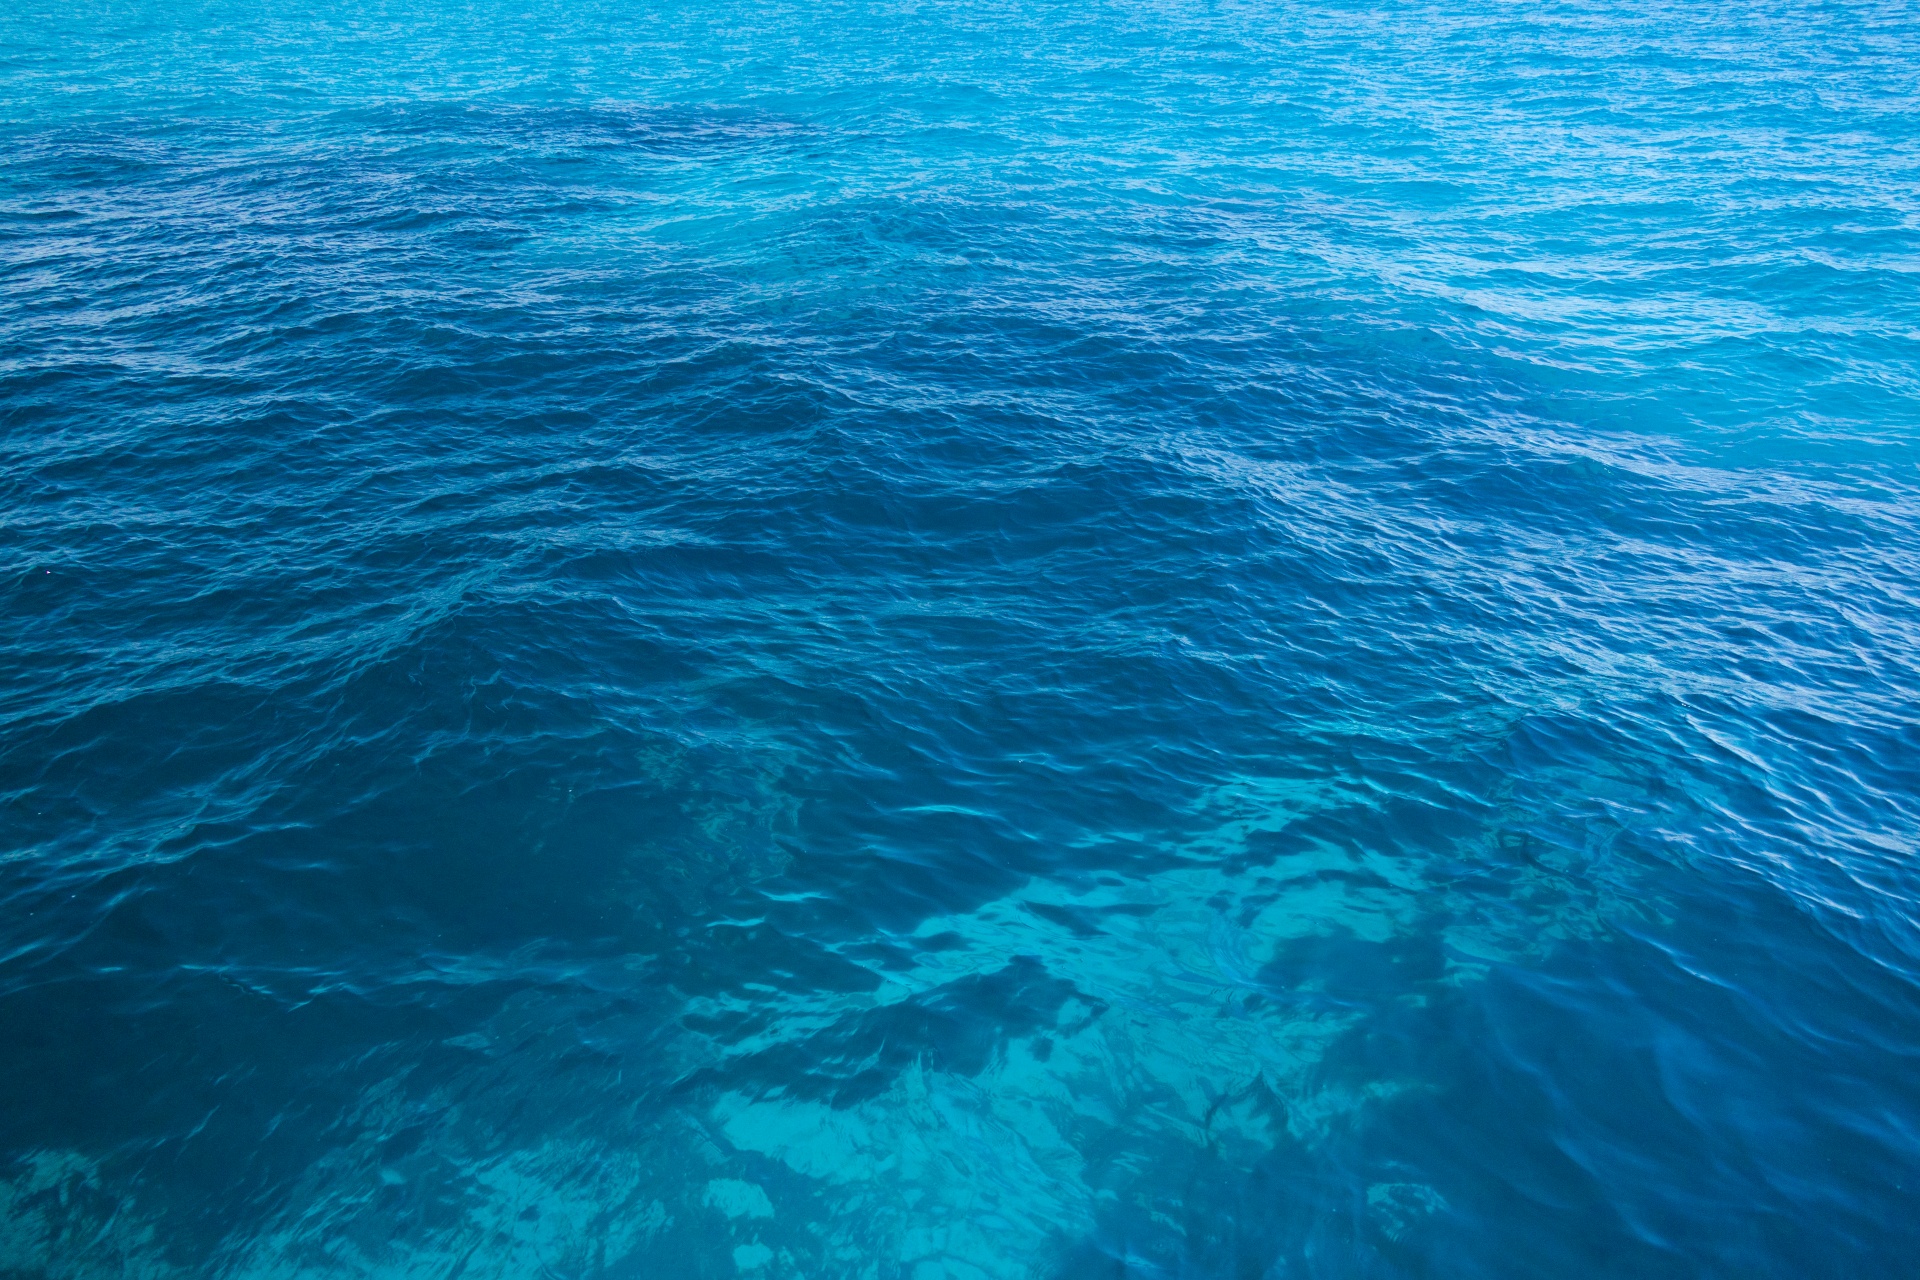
(951, 641)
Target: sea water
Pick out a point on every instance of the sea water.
(959, 640)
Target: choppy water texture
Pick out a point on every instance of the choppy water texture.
(959, 640)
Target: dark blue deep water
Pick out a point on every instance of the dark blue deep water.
(874, 640)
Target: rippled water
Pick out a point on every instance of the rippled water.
(959, 640)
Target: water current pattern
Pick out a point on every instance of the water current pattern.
(967, 640)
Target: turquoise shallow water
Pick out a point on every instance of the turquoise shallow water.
(950, 641)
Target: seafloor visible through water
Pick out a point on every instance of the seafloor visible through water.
(959, 641)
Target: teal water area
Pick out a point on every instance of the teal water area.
(959, 641)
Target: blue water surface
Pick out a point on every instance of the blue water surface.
(959, 640)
